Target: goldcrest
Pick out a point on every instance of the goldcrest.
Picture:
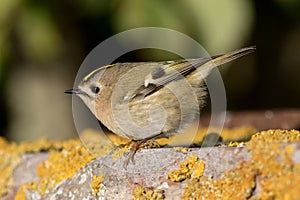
(146, 100)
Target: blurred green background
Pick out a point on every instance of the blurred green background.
(43, 43)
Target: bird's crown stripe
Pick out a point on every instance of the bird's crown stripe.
(95, 71)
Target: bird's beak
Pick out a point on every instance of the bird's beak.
(73, 91)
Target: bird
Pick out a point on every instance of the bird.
(144, 101)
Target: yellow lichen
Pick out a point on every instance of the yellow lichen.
(234, 184)
(65, 159)
(39, 145)
(96, 184)
(191, 167)
(10, 158)
(21, 195)
(235, 144)
(96, 142)
(181, 149)
(143, 193)
(278, 173)
(242, 133)
(59, 166)
(227, 134)
(271, 169)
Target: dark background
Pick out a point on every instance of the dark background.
(43, 43)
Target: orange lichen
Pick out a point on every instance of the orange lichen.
(144, 193)
(191, 167)
(96, 184)
(271, 171)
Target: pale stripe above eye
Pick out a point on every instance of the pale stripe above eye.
(87, 77)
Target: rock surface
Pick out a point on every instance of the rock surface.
(150, 169)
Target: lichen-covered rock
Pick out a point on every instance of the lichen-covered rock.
(150, 170)
(266, 167)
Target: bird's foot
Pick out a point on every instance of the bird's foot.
(149, 144)
(135, 146)
(132, 150)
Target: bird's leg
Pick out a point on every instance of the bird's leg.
(137, 144)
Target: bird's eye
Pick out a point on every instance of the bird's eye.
(95, 89)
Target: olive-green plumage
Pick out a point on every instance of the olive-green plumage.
(144, 100)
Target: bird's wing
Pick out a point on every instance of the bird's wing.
(174, 70)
